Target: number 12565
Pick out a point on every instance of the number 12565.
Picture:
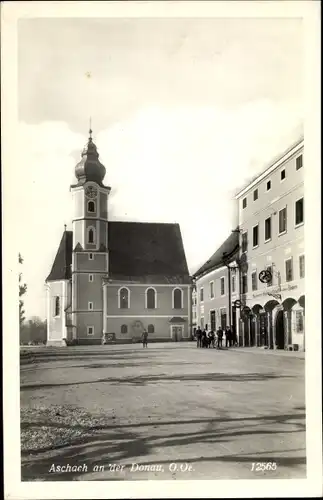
(262, 466)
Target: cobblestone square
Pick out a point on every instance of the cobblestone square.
(171, 411)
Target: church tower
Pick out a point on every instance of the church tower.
(90, 246)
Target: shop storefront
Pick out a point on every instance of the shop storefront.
(274, 323)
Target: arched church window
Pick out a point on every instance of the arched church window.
(91, 206)
(91, 235)
(151, 329)
(57, 306)
(177, 298)
(151, 298)
(124, 329)
(124, 298)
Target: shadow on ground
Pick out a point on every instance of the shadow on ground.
(151, 379)
(125, 443)
(109, 365)
(43, 357)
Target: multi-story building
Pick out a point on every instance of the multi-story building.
(194, 310)
(111, 279)
(217, 287)
(272, 254)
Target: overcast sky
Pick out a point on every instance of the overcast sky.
(184, 112)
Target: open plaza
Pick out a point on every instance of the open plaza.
(171, 411)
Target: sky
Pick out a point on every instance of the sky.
(184, 112)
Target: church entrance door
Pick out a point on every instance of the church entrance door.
(177, 332)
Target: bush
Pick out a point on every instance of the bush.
(33, 332)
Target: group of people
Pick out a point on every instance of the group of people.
(205, 338)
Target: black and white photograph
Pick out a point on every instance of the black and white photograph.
(161, 201)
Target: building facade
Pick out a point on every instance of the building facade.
(112, 280)
(272, 255)
(217, 287)
(194, 310)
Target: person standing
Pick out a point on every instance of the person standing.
(211, 339)
(204, 338)
(228, 337)
(219, 334)
(145, 339)
(198, 337)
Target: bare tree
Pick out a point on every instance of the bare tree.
(22, 291)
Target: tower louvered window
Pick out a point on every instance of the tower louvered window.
(91, 206)
(91, 236)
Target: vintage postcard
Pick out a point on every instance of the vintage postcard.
(161, 229)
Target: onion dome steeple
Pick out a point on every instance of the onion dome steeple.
(90, 168)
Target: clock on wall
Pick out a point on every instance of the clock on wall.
(91, 192)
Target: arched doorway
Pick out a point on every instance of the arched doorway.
(280, 330)
(269, 307)
(257, 323)
(301, 302)
(234, 320)
(241, 332)
(246, 329)
(246, 320)
(288, 304)
(253, 330)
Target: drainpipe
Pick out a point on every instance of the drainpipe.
(227, 264)
(241, 328)
(229, 293)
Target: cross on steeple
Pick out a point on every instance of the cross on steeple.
(90, 129)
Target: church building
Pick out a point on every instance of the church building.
(112, 280)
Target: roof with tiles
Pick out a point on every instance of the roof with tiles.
(148, 252)
(61, 269)
(141, 252)
(230, 247)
